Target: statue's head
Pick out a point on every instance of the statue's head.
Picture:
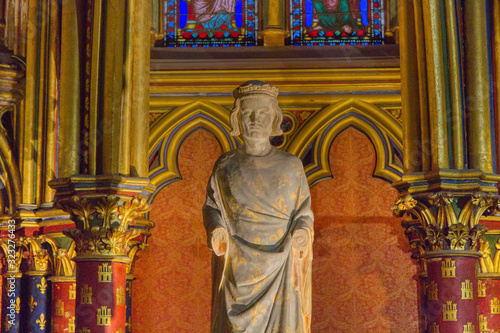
(261, 99)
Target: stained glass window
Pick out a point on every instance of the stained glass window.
(336, 22)
(204, 23)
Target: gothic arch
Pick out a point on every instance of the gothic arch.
(315, 137)
(168, 133)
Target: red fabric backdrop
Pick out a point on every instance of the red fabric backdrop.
(363, 277)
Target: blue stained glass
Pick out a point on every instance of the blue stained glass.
(309, 13)
(336, 22)
(363, 7)
(238, 10)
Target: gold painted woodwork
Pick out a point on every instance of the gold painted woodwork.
(410, 79)
(477, 100)
(436, 85)
(69, 100)
(291, 80)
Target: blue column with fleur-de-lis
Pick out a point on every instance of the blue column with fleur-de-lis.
(11, 305)
(38, 302)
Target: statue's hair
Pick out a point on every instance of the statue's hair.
(236, 111)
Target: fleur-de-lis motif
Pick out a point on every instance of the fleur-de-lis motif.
(18, 305)
(42, 285)
(41, 322)
(33, 304)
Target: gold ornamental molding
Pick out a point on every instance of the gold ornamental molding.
(313, 137)
(319, 131)
(168, 133)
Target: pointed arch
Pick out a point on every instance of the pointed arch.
(317, 134)
(170, 131)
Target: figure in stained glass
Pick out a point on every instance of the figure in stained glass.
(337, 22)
(203, 23)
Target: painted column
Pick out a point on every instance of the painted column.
(38, 312)
(128, 301)
(489, 305)
(11, 305)
(100, 296)
(452, 291)
(63, 303)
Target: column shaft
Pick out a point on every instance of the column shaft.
(489, 305)
(451, 291)
(38, 312)
(63, 304)
(100, 296)
(11, 305)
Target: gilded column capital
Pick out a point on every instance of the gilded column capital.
(443, 221)
(104, 224)
(108, 213)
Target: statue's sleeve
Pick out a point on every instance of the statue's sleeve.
(212, 215)
(303, 217)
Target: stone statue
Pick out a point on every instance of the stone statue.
(259, 225)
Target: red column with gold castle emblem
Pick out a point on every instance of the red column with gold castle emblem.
(489, 305)
(63, 304)
(105, 238)
(452, 291)
(100, 297)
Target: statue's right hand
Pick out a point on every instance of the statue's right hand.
(219, 241)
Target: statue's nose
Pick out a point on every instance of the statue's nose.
(253, 116)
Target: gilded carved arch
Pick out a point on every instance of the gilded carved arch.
(168, 133)
(315, 137)
(311, 142)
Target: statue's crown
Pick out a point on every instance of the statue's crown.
(255, 87)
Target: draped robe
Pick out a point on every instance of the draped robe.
(260, 283)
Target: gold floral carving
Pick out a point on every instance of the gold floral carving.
(444, 220)
(103, 225)
(489, 264)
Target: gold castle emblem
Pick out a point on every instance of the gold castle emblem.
(71, 324)
(84, 330)
(72, 291)
(86, 294)
(104, 316)
(434, 328)
(467, 290)
(60, 308)
(469, 328)
(483, 324)
(495, 306)
(120, 296)
(449, 311)
(105, 273)
(433, 291)
(448, 268)
(481, 289)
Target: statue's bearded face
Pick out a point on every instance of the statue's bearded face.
(257, 116)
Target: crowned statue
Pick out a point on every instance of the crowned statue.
(259, 225)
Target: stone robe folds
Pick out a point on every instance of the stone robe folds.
(261, 284)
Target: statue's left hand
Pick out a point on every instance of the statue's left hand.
(300, 238)
(219, 241)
